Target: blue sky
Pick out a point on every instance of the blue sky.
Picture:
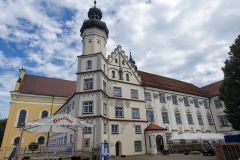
(183, 39)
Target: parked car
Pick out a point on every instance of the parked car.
(207, 149)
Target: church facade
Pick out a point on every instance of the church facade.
(134, 111)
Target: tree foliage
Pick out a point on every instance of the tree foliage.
(230, 89)
(3, 123)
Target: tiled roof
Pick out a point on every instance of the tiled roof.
(154, 126)
(47, 86)
(156, 81)
(212, 90)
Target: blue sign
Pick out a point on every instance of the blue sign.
(104, 151)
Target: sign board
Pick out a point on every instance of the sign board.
(104, 151)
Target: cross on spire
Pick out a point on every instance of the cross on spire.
(95, 2)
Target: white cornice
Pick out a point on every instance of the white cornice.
(37, 103)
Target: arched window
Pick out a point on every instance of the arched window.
(113, 74)
(41, 140)
(21, 118)
(120, 72)
(127, 77)
(44, 114)
(16, 141)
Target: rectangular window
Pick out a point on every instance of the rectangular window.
(205, 103)
(134, 94)
(165, 117)
(148, 96)
(150, 116)
(71, 138)
(190, 119)
(88, 84)
(162, 97)
(105, 109)
(138, 129)
(138, 146)
(210, 120)
(218, 103)
(117, 91)
(86, 142)
(104, 86)
(87, 130)
(196, 104)
(135, 113)
(200, 120)
(119, 112)
(89, 64)
(105, 128)
(88, 107)
(178, 118)
(115, 129)
(223, 121)
(174, 99)
(186, 101)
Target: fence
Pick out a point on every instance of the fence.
(227, 151)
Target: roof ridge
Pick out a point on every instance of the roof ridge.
(48, 77)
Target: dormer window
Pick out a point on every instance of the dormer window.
(123, 62)
(116, 60)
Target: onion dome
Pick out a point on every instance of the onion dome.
(94, 21)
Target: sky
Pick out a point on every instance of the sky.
(183, 39)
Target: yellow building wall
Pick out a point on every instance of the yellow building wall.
(34, 105)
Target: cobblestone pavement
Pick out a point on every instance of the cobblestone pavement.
(169, 157)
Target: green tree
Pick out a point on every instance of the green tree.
(230, 89)
(3, 123)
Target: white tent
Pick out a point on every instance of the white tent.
(55, 123)
(198, 136)
(60, 120)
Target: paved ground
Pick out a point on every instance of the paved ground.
(169, 157)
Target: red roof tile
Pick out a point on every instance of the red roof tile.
(156, 81)
(47, 86)
(212, 90)
(154, 126)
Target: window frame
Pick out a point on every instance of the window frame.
(178, 118)
(174, 99)
(148, 96)
(135, 113)
(113, 131)
(196, 103)
(186, 101)
(89, 64)
(117, 89)
(87, 105)
(200, 119)
(190, 118)
(165, 117)
(88, 84)
(134, 94)
(162, 97)
(138, 129)
(119, 112)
